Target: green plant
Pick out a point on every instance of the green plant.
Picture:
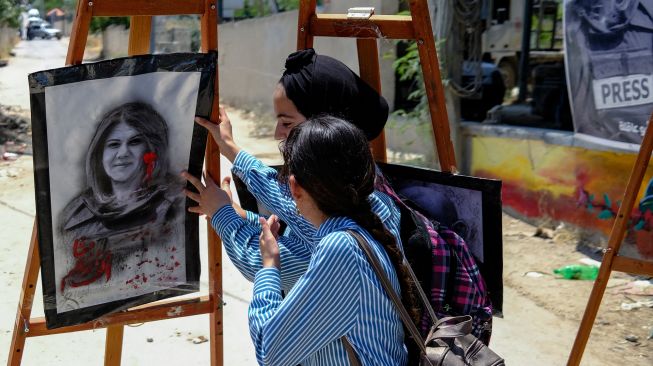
(285, 5)
(408, 67)
(9, 13)
(98, 24)
(252, 9)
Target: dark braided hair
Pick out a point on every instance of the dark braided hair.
(331, 160)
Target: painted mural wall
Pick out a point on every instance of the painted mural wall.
(565, 183)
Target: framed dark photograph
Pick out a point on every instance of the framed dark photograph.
(470, 206)
(110, 139)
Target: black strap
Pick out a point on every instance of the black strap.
(385, 282)
(351, 353)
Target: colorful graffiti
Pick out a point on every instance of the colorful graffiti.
(570, 184)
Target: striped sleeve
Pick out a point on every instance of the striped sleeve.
(321, 308)
(387, 211)
(241, 242)
(262, 182)
(252, 218)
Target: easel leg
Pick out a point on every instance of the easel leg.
(614, 243)
(306, 11)
(140, 31)
(591, 310)
(79, 34)
(209, 29)
(21, 326)
(370, 71)
(113, 345)
(433, 84)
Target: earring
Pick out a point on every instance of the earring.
(297, 210)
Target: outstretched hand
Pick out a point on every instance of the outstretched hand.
(209, 196)
(268, 242)
(222, 133)
(226, 186)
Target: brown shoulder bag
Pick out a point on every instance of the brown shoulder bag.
(449, 342)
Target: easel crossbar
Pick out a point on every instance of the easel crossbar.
(148, 313)
(102, 8)
(633, 266)
(378, 26)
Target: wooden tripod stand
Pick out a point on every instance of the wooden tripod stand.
(612, 261)
(141, 12)
(416, 27)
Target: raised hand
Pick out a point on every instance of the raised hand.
(209, 197)
(268, 242)
(225, 185)
(222, 133)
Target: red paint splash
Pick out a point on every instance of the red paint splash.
(90, 264)
(149, 158)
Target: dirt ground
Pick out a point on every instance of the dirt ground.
(524, 253)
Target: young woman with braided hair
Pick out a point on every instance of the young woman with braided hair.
(311, 85)
(340, 295)
(329, 173)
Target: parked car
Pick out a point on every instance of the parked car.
(42, 30)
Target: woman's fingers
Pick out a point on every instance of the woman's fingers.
(268, 245)
(226, 185)
(207, 179)
(192, 195)
(205, 123)
(274, 224)
(264, 225)
(196, 209)
(223, 115)
(193, 180)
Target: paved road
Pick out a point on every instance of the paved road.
(170, 345)
(30, 56)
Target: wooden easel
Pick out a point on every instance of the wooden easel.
(612, 261)
(141, 12)
(417, 27)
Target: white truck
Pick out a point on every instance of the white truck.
(502, 38)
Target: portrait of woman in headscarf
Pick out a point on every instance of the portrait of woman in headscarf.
(123, 227)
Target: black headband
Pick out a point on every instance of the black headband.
(319, 84)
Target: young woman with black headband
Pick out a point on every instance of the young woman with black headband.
(311, 85)
(339, 296)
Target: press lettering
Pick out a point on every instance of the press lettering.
(616, 91)
(627, 92)
(623, 91)
(636, 91)
(645, 88)
(605, 92)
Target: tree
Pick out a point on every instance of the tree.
(9, 13)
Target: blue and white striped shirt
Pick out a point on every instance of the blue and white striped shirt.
(240, 237)
(340, 295)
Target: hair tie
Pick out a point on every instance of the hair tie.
(298, 60)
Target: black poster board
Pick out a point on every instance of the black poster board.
(470, 206)
(110, 139)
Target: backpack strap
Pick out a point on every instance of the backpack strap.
(385, 282)
(351, 353)
(453, 266)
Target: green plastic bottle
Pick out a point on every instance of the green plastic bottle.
(577, 272)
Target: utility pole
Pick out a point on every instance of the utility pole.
(525, 50)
